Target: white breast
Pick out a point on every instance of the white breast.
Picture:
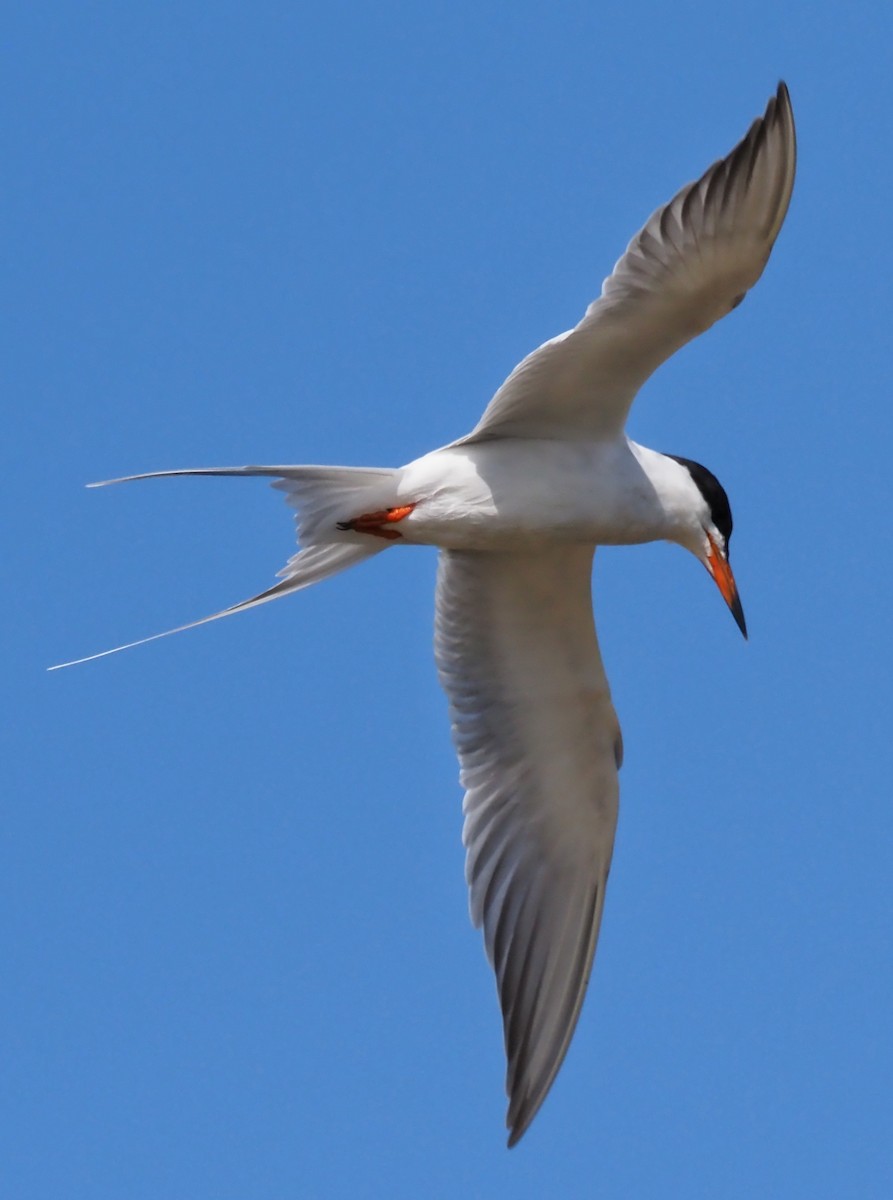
(520, 493)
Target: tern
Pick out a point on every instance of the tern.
(517, 508)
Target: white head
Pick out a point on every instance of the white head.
(704, 526)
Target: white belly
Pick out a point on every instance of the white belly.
(518, 493)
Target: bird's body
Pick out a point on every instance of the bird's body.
(610, 492)
(517, 508)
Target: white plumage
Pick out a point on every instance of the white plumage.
(517, 508)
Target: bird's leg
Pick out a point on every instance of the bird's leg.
(376, 522)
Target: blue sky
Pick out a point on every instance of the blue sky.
(236, 946)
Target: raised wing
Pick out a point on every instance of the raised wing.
(539, 747)
(692, 262)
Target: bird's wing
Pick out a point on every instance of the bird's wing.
(691, 263)
(539, 747)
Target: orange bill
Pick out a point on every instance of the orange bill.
(718, 566)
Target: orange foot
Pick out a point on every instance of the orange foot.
(375, 522)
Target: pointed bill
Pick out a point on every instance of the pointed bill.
(718, 565)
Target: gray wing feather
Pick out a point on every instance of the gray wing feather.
(690, 264)
(538, 742)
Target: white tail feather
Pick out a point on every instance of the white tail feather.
(323, 496)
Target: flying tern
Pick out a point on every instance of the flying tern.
(517, 508)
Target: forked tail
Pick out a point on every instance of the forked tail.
(322, 497)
